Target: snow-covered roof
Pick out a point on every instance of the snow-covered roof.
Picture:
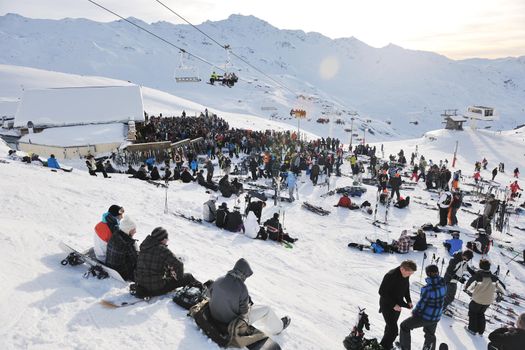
(78, 135)
(457, 118)
(79, 105)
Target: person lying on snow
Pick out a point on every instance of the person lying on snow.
(158, 269)
(402, 202)
(453, 245)
(481, 244)
(345, 202)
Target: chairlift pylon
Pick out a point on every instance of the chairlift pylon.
(186, 74)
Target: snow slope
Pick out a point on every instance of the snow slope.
(319, 283)
(337, 76)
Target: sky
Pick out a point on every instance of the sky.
(456, 28)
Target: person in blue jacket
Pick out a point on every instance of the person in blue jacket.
(52, 162)
(453, 245)
(427, 312)
(194, 165)
(291, 181)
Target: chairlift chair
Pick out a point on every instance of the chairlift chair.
(186, 74)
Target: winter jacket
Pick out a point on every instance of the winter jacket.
(274, 228)
(457, 199)
(456, 245)
(395, 182)
(507, 338)
(52, 163)
(251, 226)
(484, 285)
(445, 199)
(225, 187)
(154, 262)
(256, 207)
(481, 245)
(394, 290)
(121, 255)
(209, 211)
(222, 216)
(402, 203)
(344, 202)
(186, 177)
(420, 242)
(154, 175)
(430, 305)
(234, 222)
(402, 245)
(103, 232)
(456, 268)
(490, 208)
(229, 296)
(291, 180)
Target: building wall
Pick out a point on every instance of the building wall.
(73, 152)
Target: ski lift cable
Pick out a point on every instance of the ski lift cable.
(156, 36)
(227, 48)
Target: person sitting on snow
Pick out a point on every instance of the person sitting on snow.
(402, 245)
(345, 202)
(209, 209)
(52, 162)
(402, 202)
(234, 221)
(453, 245)
(122, 253)
(419, 241)
(159, 271)
(105, 229)
(275, 230)
(222, 216)
(481, 244)
(229, 299)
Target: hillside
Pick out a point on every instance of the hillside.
(319, 283)
(338, 76)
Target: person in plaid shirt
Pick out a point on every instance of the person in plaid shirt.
(427, 312)
(402, 245)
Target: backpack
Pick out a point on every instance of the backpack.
(447, 200)
(189, 296)
(216, 331)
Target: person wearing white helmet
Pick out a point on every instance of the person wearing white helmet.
(209, 209)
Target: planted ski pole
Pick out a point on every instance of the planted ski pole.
(422, 266)
(166, 199)
(433, 258)
(442, 264)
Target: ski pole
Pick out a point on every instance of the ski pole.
(422, 266)
(433, 258)
(442, 264)
(166, 199)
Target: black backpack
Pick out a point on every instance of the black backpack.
(188, 296)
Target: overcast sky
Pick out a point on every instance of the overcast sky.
(455, 28)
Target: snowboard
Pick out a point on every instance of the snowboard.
(264, 344)
(89, 258)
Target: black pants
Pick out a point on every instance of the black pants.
(391, 331)
(429, 327)
(314, 179)
(396, 191)
(453, 216)
(209, 176)
(476, 317)
(173, 284)
(443, 216)
(451, 294)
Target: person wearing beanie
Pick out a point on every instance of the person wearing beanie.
(121, 253)
(229, 299)
(221, 215)
(508, 338)
(344, 201)
(427, 312)
(483, 287)
(158, 269)
(457, 267)
(105, 229)
(275, 230)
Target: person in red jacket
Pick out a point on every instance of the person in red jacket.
(105, 229)
(344, 201)
(514, 188)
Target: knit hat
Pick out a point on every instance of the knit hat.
(484, 265)
(115, 210)
(159, 233)
(432, 270)
(126, 225)
(276, 215)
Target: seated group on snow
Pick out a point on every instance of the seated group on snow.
(156, 271)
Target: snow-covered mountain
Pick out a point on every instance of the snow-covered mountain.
(336, 76)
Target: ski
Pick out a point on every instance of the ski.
(114, 305)
(188, 217)
(316, 209)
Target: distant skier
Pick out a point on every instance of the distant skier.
(494, 173)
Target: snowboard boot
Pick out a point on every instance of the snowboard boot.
(286, 322)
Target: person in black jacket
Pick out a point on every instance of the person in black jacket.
(508, 338)
(395, 294)
(158, 270)
(185, 176)
(253, 168)
(275, 230)
(395, 183)
(234, 221)
(121, 252)
(154, 175)
(256, 206)
(419, 241)
(225, 187)
(457, 199)
(222, 216)
(456, 268)
(402, 202)
(382, 178)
